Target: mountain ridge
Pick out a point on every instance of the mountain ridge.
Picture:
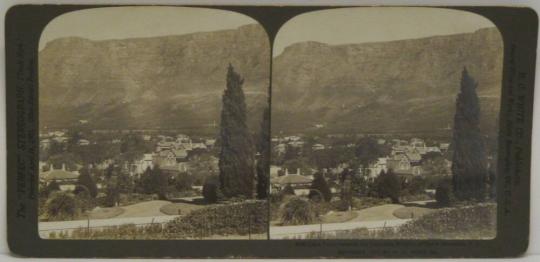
(166, 81)
(365, 87)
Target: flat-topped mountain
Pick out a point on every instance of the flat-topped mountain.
(385, 86)
(158, 82)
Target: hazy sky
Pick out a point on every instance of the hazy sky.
(375, 24)
(129, 22)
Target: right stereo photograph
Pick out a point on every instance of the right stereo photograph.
(384, 125)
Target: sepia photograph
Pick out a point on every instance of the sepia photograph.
(153, 124)
(385, 125)
(269, 131)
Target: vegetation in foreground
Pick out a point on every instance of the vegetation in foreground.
(468, 222)
(242, 219)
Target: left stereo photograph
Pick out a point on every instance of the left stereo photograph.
(153, 124)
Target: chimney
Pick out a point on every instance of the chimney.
(64, 166)
(51, 167)
(298, 171)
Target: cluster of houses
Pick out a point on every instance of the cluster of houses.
(171, 154)
(406, 159)
(46, 139)
(292, 141)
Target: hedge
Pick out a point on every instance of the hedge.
(243, 218)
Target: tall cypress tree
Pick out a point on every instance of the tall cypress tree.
(89, 184)
(469, 160)
(263, 163)
(236, 158)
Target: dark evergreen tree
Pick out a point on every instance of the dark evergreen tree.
(210, 191)
(85, 180)
(263, 163)
(160, 181)
(469, 161)
(319, 187)
(346, 195)
(367, 152)
(387, 184)
(124, 183)
(236, 158)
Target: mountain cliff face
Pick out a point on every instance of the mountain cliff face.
(158, 82)
(403, 85)
(177, 81)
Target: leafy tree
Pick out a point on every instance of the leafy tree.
(236, 158)
(416, 185)
(146, 183)
(112, 195)
(50, 188)
(298, 211)
(387, 184)
(124, 183)
(345, 179)
(361, 186)
(132, 147)
(367, 152)
(61, 206)
(435, 165)
(469, 161)
(55, 148)
(86, 180)
(287, 190)
(84, 200)
(161, 181)
(183, 182)
(263, 163)
(291, 153)
(318, 187)
(109, 172)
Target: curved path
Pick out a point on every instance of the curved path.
(144, 209)
(376, 213)
(370, 218)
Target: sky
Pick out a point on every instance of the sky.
(375, 24)
(131, 22)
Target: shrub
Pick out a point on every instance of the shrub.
(61, 206)
(298, 211)
(183, 182)
(236, 219)
(84, 200)
(319, 184)
(288, 190)
(415, 186)
(366, 202)
(443, 194)
(87, 183)
(112, 196)
(388, 185)
(211, 190)
(340, 205)
(471, 222)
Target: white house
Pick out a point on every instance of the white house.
(83, 142)
(316, 147)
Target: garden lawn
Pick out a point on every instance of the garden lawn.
(104, 213)
(468, 222)
(179, 208)
(338, 217)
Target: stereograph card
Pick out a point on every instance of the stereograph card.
(270, 132)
